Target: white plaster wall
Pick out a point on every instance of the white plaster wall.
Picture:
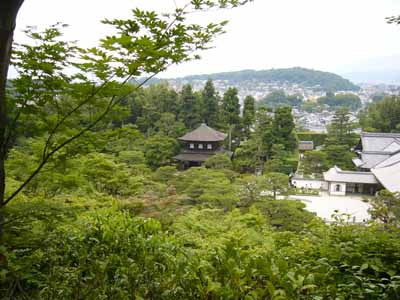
(308, 184)
(332, 188)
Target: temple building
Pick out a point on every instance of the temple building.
(379, 153)
(201, 144)
(377, 163)
(341, 182)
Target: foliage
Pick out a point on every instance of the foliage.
(350, 101)
(206, 254)
(251, 189)
(164, 174)
(230, 113)
(247, 157)
(286, 215)
(339, 155)
(314, 162)
(218, 161)
(317, 137)
(78, 231)
(159, 150)
(210, 102)
(249, 115)
(277, 183)
(191, 107)
(279, 98)
(67, 87)
(340, 131)
(386, 208)
(283, 128)
(382, 116)
(311, 107)
(210, 187)
(246, 229)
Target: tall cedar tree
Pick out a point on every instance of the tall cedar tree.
(191, 107)
(283, 128)
(210, 102)
(231, 112)
(249, 115)
(340, 130)
(264, 132)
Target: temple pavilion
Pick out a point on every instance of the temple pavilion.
(200, 144)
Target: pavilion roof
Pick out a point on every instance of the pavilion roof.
(203, 133)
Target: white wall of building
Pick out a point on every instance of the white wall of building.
(309, 184)
(337, 188)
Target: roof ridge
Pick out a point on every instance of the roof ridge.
(381, 134)
(204, 133)
(389, 165)
(355, 172)
(377, 152)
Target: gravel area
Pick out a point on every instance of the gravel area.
(325, 205)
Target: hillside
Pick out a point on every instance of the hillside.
(306, 77)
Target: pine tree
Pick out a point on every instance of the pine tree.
(210, 104)
(230, 114)
(231, 107)
(248, 115)
(340, 131)
(283, 128)
(190, 112)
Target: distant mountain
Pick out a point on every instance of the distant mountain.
(306, 77)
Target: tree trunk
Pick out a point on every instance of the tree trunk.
(8, 14)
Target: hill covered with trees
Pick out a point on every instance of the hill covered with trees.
(309, 78)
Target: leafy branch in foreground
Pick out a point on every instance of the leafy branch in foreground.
(64, 86)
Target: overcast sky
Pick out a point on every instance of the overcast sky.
(331, 35)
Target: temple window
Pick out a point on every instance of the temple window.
(200, 146)
(209, 146)
(191, 146)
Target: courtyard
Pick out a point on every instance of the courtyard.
(326, 205)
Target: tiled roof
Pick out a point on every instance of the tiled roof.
(381, 154)
(371, 159)
(203, 133)
(388, 173)
(377, 147)
(377, 141)
(335, 174)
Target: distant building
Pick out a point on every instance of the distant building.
(306, 145)
(201, 144)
